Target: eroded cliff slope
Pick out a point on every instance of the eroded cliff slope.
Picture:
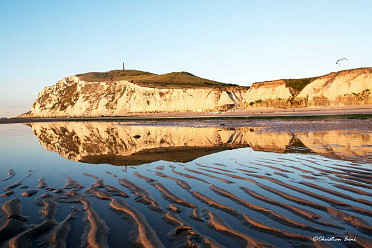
(349, 87)
(117, 93)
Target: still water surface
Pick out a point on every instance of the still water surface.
(181, 185)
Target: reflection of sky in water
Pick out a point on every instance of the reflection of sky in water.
(20, 150)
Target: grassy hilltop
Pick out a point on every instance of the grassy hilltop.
(168, 80)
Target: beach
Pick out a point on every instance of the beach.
(263, 112)
(209, 182)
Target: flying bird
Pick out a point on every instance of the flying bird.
(339, 60)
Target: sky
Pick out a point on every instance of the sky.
(238, 42)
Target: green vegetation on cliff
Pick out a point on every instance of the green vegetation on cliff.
(169, 80)
(296, 85)
(115, 75)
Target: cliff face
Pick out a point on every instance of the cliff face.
(340, 88)
(264, 91)
(117, 93)
(349, 87)
(74, 97)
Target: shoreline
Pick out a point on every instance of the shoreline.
(358, 111)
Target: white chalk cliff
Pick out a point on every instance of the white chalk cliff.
(340, 84)
(349, 87)
(75, 96)
(117, 93)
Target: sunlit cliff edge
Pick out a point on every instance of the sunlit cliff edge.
(119, 92)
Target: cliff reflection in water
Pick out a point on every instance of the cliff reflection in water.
(108, 142)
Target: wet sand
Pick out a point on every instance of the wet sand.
(227, 199)
(257, 112)
(50, 233)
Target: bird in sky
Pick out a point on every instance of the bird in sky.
(339, 60)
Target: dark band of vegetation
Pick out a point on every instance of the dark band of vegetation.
(317, 117)
(201, 118)
(296, 85)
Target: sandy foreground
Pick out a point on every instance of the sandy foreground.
(309, 111)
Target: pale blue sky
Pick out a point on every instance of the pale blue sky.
(230, 41)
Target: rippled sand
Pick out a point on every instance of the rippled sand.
(197, 205)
